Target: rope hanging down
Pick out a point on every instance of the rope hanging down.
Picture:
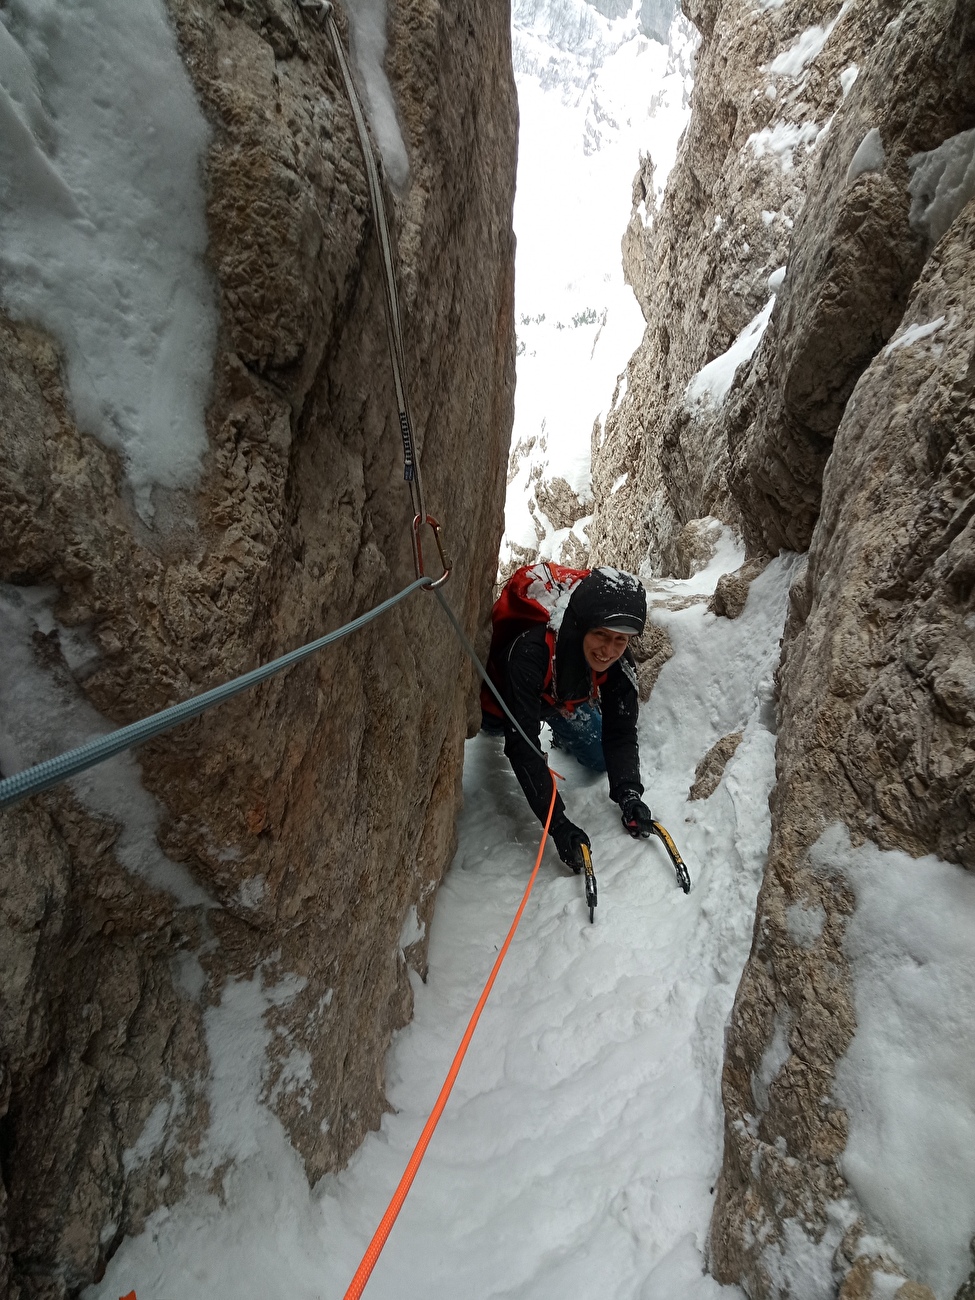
(322, 10)
(375, 1247)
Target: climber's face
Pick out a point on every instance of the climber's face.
(602, 647)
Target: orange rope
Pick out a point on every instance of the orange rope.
(371, 1257)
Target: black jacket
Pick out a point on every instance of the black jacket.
(525, 668)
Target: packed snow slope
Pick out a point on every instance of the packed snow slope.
(579, 1149)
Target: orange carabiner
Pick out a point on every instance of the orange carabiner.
(431, 523)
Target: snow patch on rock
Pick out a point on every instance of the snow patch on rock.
(906, 1081)
(708, 389)
(942, 182)
(781, 140)
(794, 61)
(102, 224)
(847, 78)
(868, 157)
(238, 1038)
(914, 334)
(805, 923)
(43, 713)
(367, 25)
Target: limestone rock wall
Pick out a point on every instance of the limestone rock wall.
(705, 266)
(875, 731)
(846, 430)
(859, 245)
(286, 849)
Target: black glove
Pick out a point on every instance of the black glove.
(569, 840)
(637, 817)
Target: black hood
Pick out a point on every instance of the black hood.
(607, 598)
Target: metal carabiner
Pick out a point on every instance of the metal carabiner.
(321, 9)
(418, 522)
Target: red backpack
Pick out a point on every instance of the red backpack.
(530, 596)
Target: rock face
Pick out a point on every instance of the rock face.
(831, 160)
(876, 712)
(287, 847)
(709, 263)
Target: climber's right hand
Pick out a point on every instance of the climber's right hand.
(569, 840)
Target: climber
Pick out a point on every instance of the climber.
(576, 673)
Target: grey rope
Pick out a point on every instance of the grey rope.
(322, 9)
(484, 676)
(55, 770)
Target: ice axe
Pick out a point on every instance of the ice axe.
(590, 879)
(683, 876)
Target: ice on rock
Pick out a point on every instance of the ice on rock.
(868, 157)
(942, 182)
(886, 1285)
(413, 930)
(800, 1264)
(367, 25)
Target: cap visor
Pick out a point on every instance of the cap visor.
(625, 625)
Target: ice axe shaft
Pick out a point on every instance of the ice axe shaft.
(683, 875)
(590, 880)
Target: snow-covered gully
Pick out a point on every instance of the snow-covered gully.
(579, 1149)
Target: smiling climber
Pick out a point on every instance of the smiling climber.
(576, 673)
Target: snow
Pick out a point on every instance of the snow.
(869, 156)
(577, 1154)
(412, 931)
(594, 95)
(773, 1058)
(367, 26)
(708, 388)
(238, 1039)
(154, 1131)
(886, 1285)
(43, 713)
(847, 78)
(906, 1081)
(914, 334)
(794, 61)
(799, 1266)
(781, 141)
(805, 923)
(102, 226)
(942, 182)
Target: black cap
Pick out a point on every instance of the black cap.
(621, 623)
(612, 599)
